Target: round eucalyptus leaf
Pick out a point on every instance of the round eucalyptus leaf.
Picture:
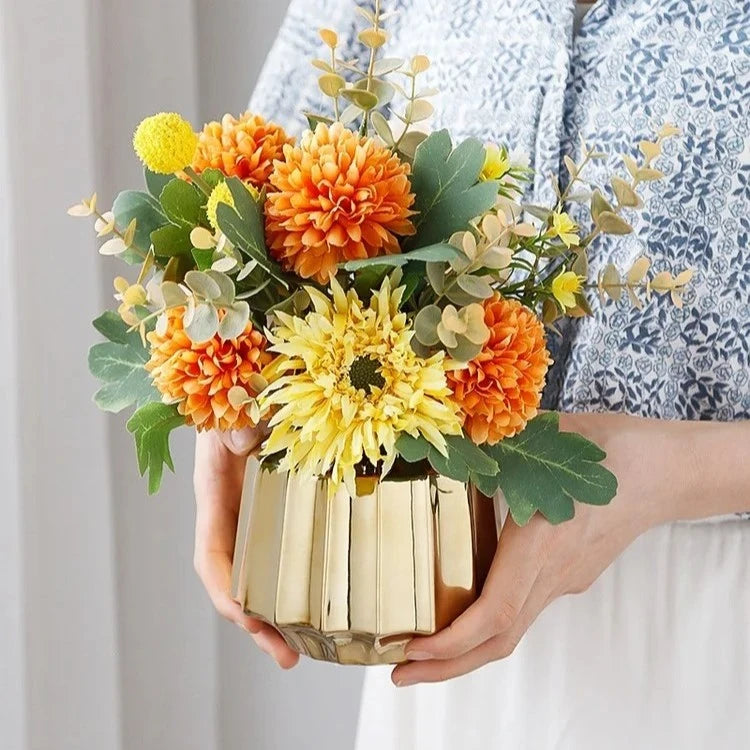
(426, 323)
(465, 350)
(201, 283)
(225, 284)
(234, 321)
(363, 99)
(331, 84)
(204, 323)
(418, 110)
(173, 295)
(475, 286)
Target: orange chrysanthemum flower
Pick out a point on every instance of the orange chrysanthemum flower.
(198, 377)
(500, 390)
(337, 196)
(244, 147)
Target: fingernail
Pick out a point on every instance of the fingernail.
(242, 440)
(242, 626)
(418, 655)
(404, 682)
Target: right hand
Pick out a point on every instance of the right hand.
(220, 460)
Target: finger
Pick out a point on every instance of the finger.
(497, 647)
(515, 567)
(245, 441)
(272, 642)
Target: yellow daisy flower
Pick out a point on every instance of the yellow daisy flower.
(565, 228)
(347, 382)
(496, 163)
(565, 286)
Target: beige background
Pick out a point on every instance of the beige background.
(107, 640)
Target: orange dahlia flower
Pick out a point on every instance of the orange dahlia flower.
(244, 147)
(500, 390)
(198, 377)
(337, 196)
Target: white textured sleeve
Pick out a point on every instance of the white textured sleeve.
(287, 85)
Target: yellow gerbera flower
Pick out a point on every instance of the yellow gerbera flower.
(565, 286)
(165, 143)
(565, 228)
(347, 383)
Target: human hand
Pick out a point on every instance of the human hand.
(220, 460)
(539, 562)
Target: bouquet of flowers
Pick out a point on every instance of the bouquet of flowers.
(381, 296)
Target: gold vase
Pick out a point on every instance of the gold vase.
(352, 579)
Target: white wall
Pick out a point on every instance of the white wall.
(107, 640)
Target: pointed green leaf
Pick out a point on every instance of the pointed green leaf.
(170, 240)
(441, 251)
(547, 470)
(156, 182)
(151, 426)
(182, 203)
(447, 187)
(120, 364)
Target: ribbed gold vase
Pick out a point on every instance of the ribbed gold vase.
(352, 579)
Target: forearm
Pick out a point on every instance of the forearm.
(690, 470)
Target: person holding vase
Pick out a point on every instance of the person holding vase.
(654, 652)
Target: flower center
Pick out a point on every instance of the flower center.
(364, 374)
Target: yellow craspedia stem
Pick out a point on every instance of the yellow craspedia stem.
(565, 286)
(222, 194)
(165, 143)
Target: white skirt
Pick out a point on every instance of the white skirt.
(655, 655)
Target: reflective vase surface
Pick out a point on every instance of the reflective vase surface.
(352, 579)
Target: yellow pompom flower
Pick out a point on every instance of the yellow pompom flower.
(165, 143)
(496, 163)
(565, 228)
(347, 382)
(222, 194)
(565, 286)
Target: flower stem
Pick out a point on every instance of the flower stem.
(198, 180)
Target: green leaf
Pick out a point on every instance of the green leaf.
(203, 258)
(156, 182)
(148, 215)
(465, 461)
(314, 120)
(547, 470)
(243, 226)
(441, 251)
(171, 240)
(120, 364)
(151, 426)
(447, 187)
(609, 222)
(182, 203)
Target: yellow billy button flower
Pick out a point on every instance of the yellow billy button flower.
(565, 228)
(222, 194)
(565, 286)
(165, 143)
(496, 163)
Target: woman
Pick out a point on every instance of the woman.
(656, 652)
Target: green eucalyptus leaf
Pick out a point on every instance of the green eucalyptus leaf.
(382, 128)
(447, 187)
(234, 321)
(426, 323)
(203, 284)
(436, 275)
(465, 350)
(610, 223)
(625, 193)
(365, 100)
(545, 470)
(148, 215)
(314, 120)
(203, 324)
(151, 426)
(475, 286)
(599, 204)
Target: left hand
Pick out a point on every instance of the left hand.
(539, 562)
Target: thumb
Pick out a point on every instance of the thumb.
(242, 442)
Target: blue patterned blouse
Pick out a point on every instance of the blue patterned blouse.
(511, 71)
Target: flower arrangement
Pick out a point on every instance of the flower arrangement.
(381, 296)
